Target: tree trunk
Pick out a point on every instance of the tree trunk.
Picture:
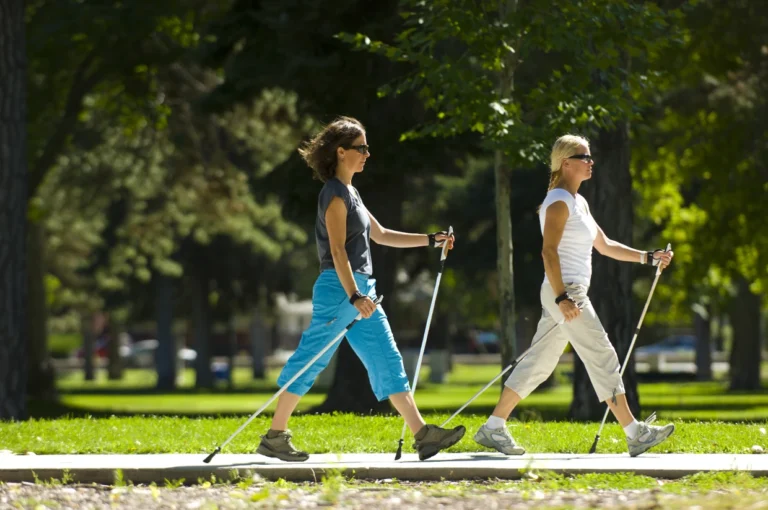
(702, 321)
(745, 352)
(202, 326)
(13, 212)
(114, 361)
(351, 391)
(609, 193)
(259, 342)
(507, 340)
(41, 382)
(231, 348)
(89, 343)
(504, 249)
(166, 357)
(439, 332)
(717, 336)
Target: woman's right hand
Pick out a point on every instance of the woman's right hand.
(569, 309)
(365, 306)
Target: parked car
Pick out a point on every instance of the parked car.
(101, 349)
(676, 344)
(483, 342)
(676, 353)
(142, 354)
(139, 354)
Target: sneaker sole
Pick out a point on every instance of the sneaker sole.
(430, 451)
(267, 452)
(655, 444)
(519, 451)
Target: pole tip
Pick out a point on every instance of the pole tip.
(594, 444)
(209, 458)
(399, 450)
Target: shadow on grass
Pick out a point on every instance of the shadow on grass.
(523, 413)
(47, 410)
(654, 384)
(266, 388)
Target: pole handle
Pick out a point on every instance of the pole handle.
(444, 254)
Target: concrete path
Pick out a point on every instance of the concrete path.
(447, 466)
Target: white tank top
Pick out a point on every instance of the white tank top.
(575, 249)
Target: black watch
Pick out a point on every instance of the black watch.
(562, 297)
(357, 295)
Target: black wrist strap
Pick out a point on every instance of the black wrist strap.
(562, 297)
(650, 260)
(433, 242)
(357, 295)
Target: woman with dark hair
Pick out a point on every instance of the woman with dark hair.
(343, 230)
(570, 234)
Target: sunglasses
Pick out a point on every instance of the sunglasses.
(584, 157)
(362, 148)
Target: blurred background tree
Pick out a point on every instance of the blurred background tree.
(164, 186)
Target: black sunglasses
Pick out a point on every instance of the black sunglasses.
(584, 157)
(362, 148)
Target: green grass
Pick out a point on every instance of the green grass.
(143, 379)
(342, 433)
(133, 395)
(62, 345)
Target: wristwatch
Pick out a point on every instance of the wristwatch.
(562, 297)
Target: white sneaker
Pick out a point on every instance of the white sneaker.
(498, 439)
(648, 436)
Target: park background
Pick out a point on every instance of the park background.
(167, 252)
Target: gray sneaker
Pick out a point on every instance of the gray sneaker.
(431, 439)
(648, 436)
(280, 447)
(498, 439)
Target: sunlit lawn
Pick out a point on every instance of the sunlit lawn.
(683, 400)
(343, 433)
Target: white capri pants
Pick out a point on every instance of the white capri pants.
(589, 340)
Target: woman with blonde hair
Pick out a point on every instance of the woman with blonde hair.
(570, 233)
(343, 230)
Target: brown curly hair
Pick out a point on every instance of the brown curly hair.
(320, 151)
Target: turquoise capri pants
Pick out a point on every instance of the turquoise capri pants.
(371, 339)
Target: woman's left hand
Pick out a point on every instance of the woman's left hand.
(664, 258)
(442, 236)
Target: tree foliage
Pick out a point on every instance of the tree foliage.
(143, 170)
(700, 165)
(456, 49)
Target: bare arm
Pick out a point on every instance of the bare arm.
(336, 223)
(554, 225)
(395, 239)
(616, 250)
(557, 215)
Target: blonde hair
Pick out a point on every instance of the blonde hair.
(564, 147)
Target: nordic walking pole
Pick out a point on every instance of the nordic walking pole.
(593, 449)
(443, 256)
(282, 389)
(509, 367)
